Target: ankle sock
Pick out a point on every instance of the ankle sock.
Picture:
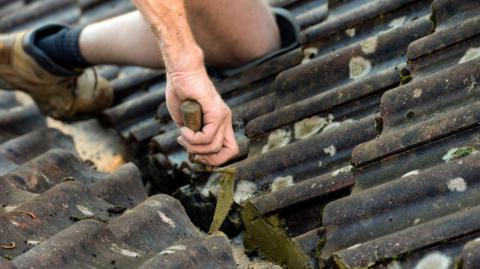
(63, 48)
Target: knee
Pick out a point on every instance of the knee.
(262, 44)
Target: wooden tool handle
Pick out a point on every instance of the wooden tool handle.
(192, 118)
(192, 115)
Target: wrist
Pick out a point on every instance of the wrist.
(193, 84)
(184, 58)
(180, 51)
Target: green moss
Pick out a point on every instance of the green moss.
(457, 153)
(8, 257)
(462, 152)
(433, 19)
(267, 236)
(404, 72)
(410, 114)
(225, 200)
(321, 243)
(405, 76)
(339, 263)
(405, 80)
(459, 264)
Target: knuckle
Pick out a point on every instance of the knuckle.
(216, 148)
(211, 150)
(186, 139)
(227, 111)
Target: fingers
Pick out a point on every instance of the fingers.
(211, 148)
(173, 106)
(222, 149)
(213, 121)
(215, 144)
(228, 151)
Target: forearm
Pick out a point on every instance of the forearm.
(188, 79)
(179, 49)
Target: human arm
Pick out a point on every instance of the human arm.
(187, 78)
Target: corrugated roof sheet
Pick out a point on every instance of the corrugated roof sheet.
(57, 211)
(392, 82)
(415, 186)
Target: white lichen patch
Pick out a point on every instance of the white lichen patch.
(457, 184)
(351, 32)
(277, 139)
(281, 182)
(397, 22)
(369, 45)
(471, 82)
(173, 249)
(178, 247)
(434, 260)
(151, 202)
(212, 186)
(331, 150)
(85, 210)
(449, 156)
(417, 93)
(33, 242)
(470, 54)
(166, 219)
(309, 54)
(354, 246)
(331, 126)
(335, 124)
(342, 170)
(394, 265)
(244, 191)
(124, 252)
(309, 126)
(359, 67)
(10, 208)
(411, 173)
(331, 117)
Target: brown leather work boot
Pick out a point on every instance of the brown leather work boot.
(60, 93)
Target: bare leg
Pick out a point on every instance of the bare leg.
(229, 32)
